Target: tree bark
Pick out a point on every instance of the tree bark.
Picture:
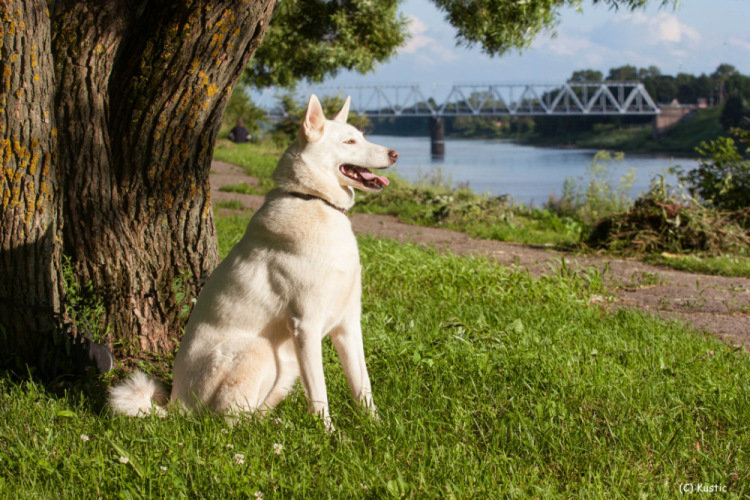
(30, 208)
(141, 88)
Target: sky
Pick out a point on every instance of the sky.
(694, 38)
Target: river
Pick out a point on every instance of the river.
(527, 173)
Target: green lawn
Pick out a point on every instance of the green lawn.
(489, 383)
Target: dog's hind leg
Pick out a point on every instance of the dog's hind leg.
(248, 381)
(287, 373)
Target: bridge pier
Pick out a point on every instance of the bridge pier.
(437, 137)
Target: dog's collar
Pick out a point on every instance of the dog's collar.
(305, 196)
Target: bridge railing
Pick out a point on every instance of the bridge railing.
(570, 98)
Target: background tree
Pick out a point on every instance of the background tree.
(732, 112)
(586, 75)
(501, 25)
(625, 73)
(315, 39)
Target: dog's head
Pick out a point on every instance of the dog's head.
(331, 156)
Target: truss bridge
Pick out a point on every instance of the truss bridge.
(567, 99)
(572, 99)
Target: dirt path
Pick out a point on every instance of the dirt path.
(715, 304)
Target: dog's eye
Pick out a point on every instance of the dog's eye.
(350, 141)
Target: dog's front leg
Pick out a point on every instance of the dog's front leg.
(348, 341)
(307, 339)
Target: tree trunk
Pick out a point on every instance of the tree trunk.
(30, 229)
(140, 94)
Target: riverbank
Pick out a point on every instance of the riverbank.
(680, 140)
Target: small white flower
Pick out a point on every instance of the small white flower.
(239, 458)
(84, 438)
(259, 495)
(224, 431)
(276, 420)
(230, 446)
(163, 468)
(597, 299)
(123, 460)
(277, 447)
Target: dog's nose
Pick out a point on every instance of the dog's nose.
(393, 155)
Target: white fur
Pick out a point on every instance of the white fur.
(138, 396)
(294, 278)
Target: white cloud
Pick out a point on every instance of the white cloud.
(427, 49)
(739, 43)
(417, 39)
(669, 29)
(636, 27)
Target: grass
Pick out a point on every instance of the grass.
(489, 383)
(233, 205)
(722, 265)
(240, 187)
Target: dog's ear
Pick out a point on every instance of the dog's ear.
(343, 113)
(314, 121)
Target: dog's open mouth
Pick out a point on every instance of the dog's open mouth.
(364, 176)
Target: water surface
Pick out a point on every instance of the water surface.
(529, 174)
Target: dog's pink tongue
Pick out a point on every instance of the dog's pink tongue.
(368, 176)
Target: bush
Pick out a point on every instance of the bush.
(722, 180)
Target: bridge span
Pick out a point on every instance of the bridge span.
(499, 99)
(612, 98)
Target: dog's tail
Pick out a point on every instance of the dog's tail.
(138, 396)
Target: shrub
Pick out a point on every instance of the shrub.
(722, 179)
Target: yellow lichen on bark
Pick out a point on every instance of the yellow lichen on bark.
(46, 166)
(5, 150)
(7, 72)
(30, 202)
(33, 163)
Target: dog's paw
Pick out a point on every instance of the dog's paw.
(328, 425)
(375, 415)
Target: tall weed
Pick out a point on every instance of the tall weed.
(596, 195)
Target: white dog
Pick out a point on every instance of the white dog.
(294, 278)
